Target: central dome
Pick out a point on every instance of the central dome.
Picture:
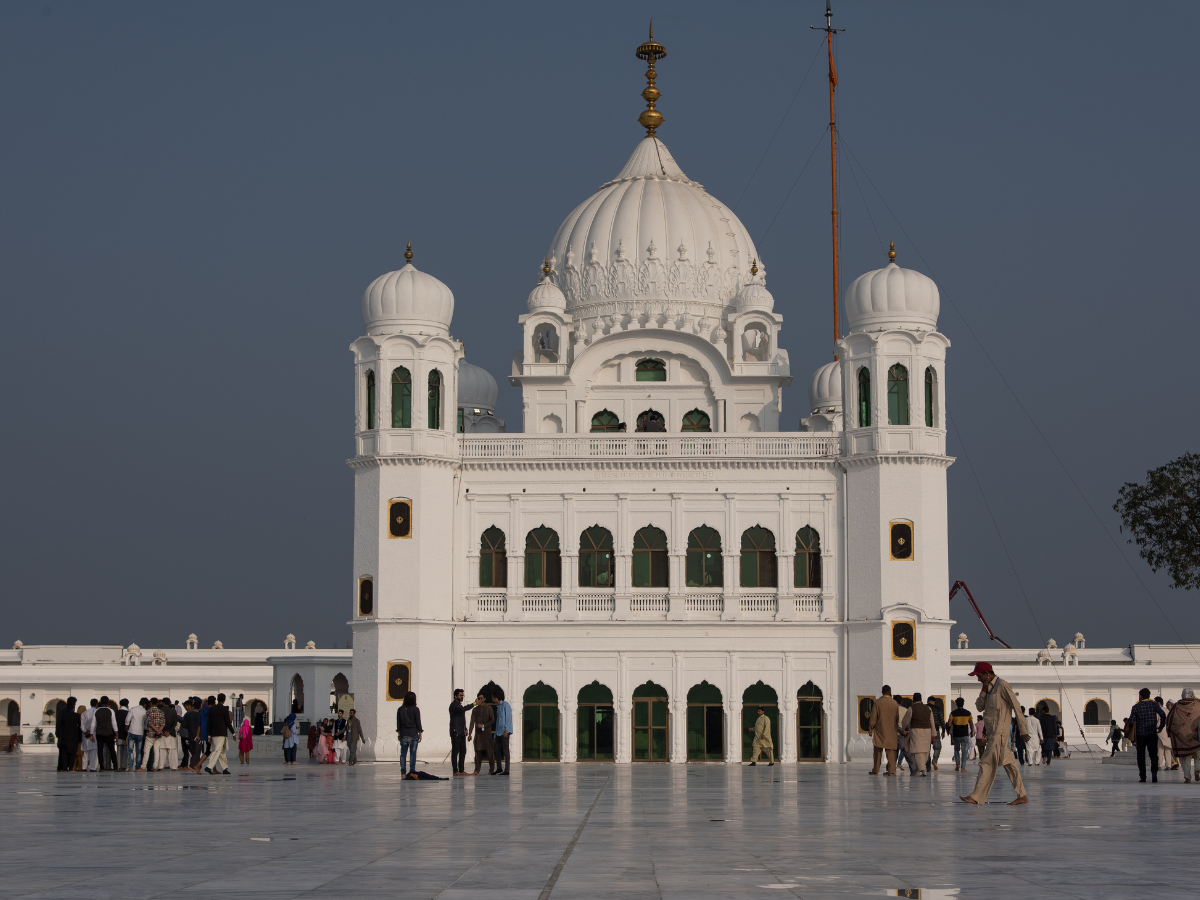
(651, 234)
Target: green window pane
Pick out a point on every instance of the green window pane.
(897, 395)
(549, 732)
(930, 388)
(650, 689)
(401, 398)
(540, 693)
(641, 570)
(585, 730)
(695, 569)
(696, 421)
(534, 576)
(461, 425)
(695, 732)
(595, 693)
(650, 370)
(641, 715)
(864, 398)
(810, 743)
(529, 737)
(704, 693)
(435, 399)
(605, 421)
(604, 732)
(659, 745)
(485, 570)
(714, 732)
(641, 743)
(659, 713)
(810, 713)
(370, 400)
(750, 569)
(587, 569)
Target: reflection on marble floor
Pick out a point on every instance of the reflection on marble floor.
(651, 831)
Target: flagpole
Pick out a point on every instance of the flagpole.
(830, 31)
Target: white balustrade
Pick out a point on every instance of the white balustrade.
(660, 446)
(704, 603)
(595, 602)
(657, 602)
(541, 603)
(492, 603)
(758, 603)
(808, 603)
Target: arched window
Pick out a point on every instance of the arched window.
(810, 721)
(930, 396)
(1096, 712)
(539, 713)
(651, 723)
(758, 558)
(297, 694)
(594, 722)
(13, 718)
(651, 420)
(808, 558)
(435, 399)
(705, 722)
(596, 558)
(753, 697)
(897, 395)
(696, 421)
(649, 558)
(704, 565)
(864, 397)
(401, 398)
(543, 559)
(370, 399)
(605, 421)
(650, 370)
(493, 560)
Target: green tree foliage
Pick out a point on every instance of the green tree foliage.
(1163, 515)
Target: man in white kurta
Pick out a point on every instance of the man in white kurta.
(87, 725)
(1000, 708)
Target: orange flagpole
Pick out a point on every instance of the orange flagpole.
(830, 31)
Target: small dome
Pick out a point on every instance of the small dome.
(892, 297)
(476, 387)
(546, 295)
(754, 295)
(407, 300)
(825, 389)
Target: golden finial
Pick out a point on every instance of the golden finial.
(651, 51)
(754, 267)
(892, 252)
(408, 252)
(545, 268)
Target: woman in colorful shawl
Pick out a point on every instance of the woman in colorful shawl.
(290, 742)
(1182, 722)
(313, 733)
(245, 741)
(324, 744)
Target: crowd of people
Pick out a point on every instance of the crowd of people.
(154, 735)
(331, 742)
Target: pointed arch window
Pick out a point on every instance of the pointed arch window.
(864, 397)
(758, 558)
(435, 399)
(897, 395)
(650, 370)
(696, 421)
(650, 558)
(704, 562)
(596, 558)
(543, 558)
(605, 421)
(493, 559)
(401, 398)
(370, 399)
(930, 396)
(808, 558)
(651, 420)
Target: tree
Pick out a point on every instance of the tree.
(1163, 515)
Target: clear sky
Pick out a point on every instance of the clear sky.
(194, 197)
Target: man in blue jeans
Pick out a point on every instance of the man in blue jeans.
(409, 730)
(962, 726)
(1150, 720)
(503, 733)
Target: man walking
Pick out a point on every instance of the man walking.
(353, 736)
(884, 726)
(190, 734)
(87, 723)
(135, 724)
(220, 725)
(123, 736)
(960, 734)
(1182, 723)
(762, 739)
(1150, 719)
(168, 760)
(503, 733)
(999, 705)
(458, 734)
(1018, 741)
(918, 727)
(482, 719)
(67, 730)
(339, 739)
(1166, 759)
(105, 723)
(1035, 735)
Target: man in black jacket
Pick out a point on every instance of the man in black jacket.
(66, 729)
(220, 724)
(190, 735)
(106, 736)
(458, 733)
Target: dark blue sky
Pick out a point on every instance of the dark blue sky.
(195, 196)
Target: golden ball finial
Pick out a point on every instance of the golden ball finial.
(651, 51)
(408, 252)
(892, 252)
(545, 268)
(754, 267)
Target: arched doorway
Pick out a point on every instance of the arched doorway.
(539, 713)
(297, 693)
(12, 715)
(1096, 712)
(759, 694)
(1053, 704)
(50, 712)
(257, 710)
(595, 723)
(810, 724)
(651, 723)
(705, 723)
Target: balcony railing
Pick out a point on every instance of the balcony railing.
(492, 603)
(637, 446)
(596, 602)
(541, 603)
(657, 602)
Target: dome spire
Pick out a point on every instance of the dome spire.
(651, 51)
(408, 253)
(892, 252)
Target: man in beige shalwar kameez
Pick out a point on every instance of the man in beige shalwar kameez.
(762, 739)
(918, 724)
(999, 705)
(883, 725)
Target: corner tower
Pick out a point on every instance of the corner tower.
(894, 455)
(406, 384)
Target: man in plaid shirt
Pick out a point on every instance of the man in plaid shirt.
(1150, 720)
(156, 722)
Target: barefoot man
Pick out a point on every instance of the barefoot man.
(998, 704)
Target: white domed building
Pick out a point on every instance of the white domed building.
(652, 557)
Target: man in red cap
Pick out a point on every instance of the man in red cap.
(999, 705)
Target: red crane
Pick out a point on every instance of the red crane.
(975, 606)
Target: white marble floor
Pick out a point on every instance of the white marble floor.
(699, 832)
